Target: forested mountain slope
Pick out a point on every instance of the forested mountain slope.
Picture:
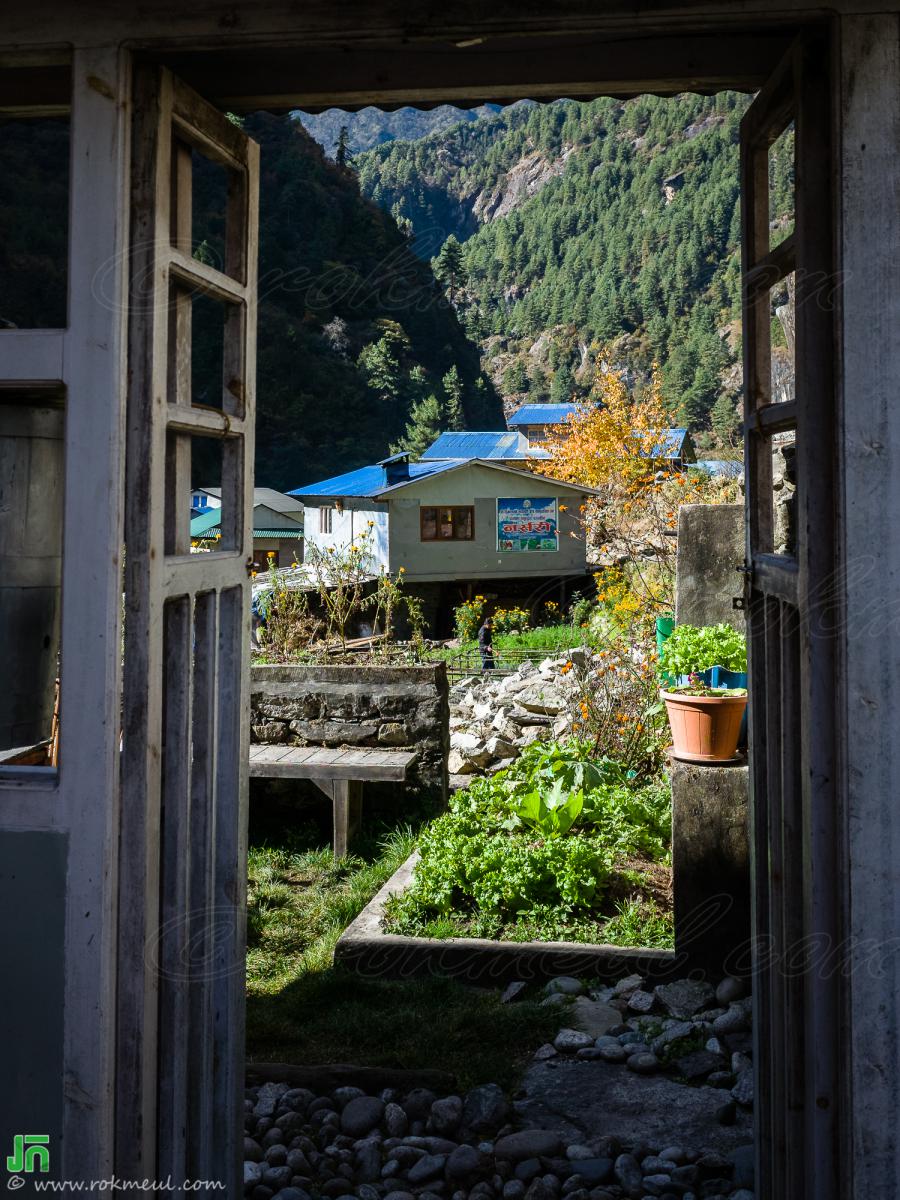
(352, 331)
(610, 223)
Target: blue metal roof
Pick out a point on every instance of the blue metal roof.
(719, 466)
(490, 445)
(670, 445)
(368, 481)
(542, 414)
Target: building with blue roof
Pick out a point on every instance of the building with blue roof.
(509, 446)
(459, 522)
(538, 423)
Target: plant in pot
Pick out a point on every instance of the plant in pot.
(706, 706)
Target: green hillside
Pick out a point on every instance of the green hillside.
(610, 222)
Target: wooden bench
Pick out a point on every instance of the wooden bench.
(340, 774)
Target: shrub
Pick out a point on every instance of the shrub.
(467, 618)
(510, 620)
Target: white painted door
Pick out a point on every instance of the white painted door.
(789, 289)
(180, 1034)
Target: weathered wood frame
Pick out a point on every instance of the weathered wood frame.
(187, 622)
(80, 799)
(321, 55)
(793, 610)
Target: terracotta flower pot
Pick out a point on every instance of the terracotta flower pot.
(704, 728)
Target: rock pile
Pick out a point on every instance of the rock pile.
(494, 717)
(687, 1029)
(415, 1145)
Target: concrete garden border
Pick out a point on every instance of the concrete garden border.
(366, 949)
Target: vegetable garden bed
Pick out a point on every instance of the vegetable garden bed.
(558, 855)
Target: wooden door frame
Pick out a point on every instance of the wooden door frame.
(100, 128)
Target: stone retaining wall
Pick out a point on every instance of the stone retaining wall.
(342, 706)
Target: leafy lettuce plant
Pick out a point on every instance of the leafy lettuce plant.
(692, 648)
(552, 812)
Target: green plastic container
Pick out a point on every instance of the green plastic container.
(664, 627)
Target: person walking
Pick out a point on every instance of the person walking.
(486, 644)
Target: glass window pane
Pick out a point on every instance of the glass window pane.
(781, 187)
(782, 309)
(34, 223)
(429, 524)
(32, 459)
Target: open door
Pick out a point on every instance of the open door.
(180, 1031)
(788, 326)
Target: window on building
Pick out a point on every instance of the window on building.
(453, 524)
(325, 520)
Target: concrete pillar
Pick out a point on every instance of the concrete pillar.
(710, 550)
(711, 864)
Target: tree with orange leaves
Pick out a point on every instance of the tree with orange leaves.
(615, 443)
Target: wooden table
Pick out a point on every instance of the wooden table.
(340, 774)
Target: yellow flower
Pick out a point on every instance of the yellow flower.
(270, 554)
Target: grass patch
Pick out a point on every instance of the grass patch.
(547, 641)
(301, 1009)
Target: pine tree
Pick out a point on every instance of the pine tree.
(563, 386)
(423, 428)
(342, 155)
(450, 268)
(453, 405)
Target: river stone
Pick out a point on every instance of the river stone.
(485, 1108)
(595, 1170)
(267, 1100)
(446, 1114)
(463, 1162)
(641, 1001)
(684, 997)
(513, 1189)
(368, 1161)
(514, 991)
(293, 1193)
(343, 1095)
(729, 990)
(698, 1064)
(396, 1121)
(674, 1033)
(528, 1143)
(277, 1177)
(643, 1064)
(399, 1196)
(361, 1115)
(628, 1175)
(253, 1173)
(612, 1052)
(527, 1169)
(742, 1091)
(567, 1041)
(565, 984)
(594, 1018)
(735, 1020)
(544, 1052)
(575, 1152)
(429, 1166)
(417, 1104)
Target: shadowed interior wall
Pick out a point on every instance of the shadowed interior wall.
(32, 901)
